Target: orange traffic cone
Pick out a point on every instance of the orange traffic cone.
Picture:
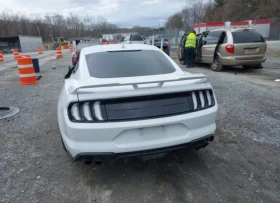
(71, 48)
(26, 71)
(16, 54)
(1, 57)
(58, 53)
(40, 51)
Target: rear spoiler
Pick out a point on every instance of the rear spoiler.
(73, 88)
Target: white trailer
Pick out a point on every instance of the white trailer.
(261, 26)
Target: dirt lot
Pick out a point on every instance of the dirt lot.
(241, 165)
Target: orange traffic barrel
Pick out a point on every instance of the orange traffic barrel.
(26, 71)
(1, 57)
(16, 54)
(40, 51)
(71, 48)
(58, 53)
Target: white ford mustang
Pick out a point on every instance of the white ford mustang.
(133, 100)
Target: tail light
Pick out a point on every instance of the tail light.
(230, 49)
(87, 112)
(202, 99)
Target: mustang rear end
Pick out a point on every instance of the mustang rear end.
(136, 116)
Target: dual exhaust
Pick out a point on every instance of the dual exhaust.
(97, 161)
(203, 143)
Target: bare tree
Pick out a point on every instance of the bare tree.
(192, 13)
(174, 21)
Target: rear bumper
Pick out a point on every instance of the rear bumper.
(111, 157)
(235, 61)
(127, 137)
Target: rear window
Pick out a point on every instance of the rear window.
(137, 38)
(128, 64)
(246, 37)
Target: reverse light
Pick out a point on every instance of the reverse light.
(230, 49)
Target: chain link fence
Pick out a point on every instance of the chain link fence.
(173, 35)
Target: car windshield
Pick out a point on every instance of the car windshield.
(137, 38)
(117, 64)
(83, 45)
(246, 37)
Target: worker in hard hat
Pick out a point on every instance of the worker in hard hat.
(190, 47)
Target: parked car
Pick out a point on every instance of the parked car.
(147, 40)
(80, 46)
(132, 105)
(165, 47)
(225, 47)
(134, 39)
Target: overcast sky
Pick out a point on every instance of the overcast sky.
(124, 13)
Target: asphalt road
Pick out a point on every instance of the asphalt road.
(241, 165)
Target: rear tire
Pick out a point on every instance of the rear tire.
(217, 65)
(247, 66)
(258, 66)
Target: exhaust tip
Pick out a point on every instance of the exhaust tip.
(98, 162)
(211, 138)
(88, 162)
(205, 145)
(198, 147)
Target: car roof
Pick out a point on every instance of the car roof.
(231, 30)
(117, 47)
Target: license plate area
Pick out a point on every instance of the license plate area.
(251, 50)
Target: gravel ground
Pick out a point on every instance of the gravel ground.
(241, 165)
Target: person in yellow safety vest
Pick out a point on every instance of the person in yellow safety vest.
(190, 46)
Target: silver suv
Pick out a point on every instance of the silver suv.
(225, 47)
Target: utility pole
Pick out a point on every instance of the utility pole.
(39, 31)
